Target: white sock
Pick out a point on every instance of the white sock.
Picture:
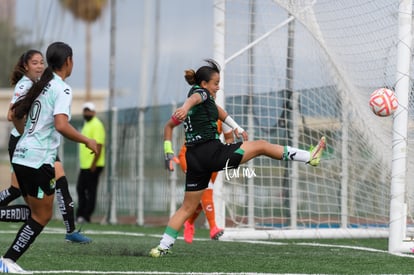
(291, 153)
(167, 241)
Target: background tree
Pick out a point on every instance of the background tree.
(10, 51)
(88, 11)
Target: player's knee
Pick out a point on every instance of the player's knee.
(189, 207)
(260, 146)
(42, 218)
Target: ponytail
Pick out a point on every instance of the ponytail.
(190, 76)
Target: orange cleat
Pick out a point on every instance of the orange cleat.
(216, 233)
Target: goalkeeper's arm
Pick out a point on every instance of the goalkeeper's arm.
(168, 151)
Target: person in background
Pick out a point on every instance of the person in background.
(207, 203)
(41, 117)
(91, 166)
(205, 151)
(28, 70)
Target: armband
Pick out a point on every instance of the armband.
(233, 124)
(175, 120)
(226, 128)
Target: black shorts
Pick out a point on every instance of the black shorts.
(35, 182)
(205, 158)
(12, 145)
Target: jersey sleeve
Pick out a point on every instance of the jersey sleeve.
(20, 90)
(17, 93)
(202, 92)
(63, 101)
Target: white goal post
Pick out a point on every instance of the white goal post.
(294, 70)
(398, 207)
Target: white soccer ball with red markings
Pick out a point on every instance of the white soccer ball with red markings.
(383, 102)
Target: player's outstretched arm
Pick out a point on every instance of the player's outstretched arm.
(63, 126)
(193, 100)
(229, 121)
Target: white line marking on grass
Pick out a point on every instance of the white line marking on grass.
(319, 245)
(156, 272)
(368, 249)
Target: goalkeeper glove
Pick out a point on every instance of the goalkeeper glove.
(169, 156)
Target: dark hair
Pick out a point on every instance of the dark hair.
(204, 73)
(19, 71)
(56, 56)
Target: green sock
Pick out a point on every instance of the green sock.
(171, 232)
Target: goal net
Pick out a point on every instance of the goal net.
(294, 71)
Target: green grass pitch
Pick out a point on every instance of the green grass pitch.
(123, 249)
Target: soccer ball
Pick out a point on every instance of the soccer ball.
(383, 102)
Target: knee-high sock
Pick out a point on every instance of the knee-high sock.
(208, 206)
(65, 203)
(8, 195)
(24, 238)
(14, 213)
(292, 153)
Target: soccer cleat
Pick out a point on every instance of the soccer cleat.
(77, 237)
(9, 266)
(188, 232)
(316, 152)
(157, 252)
(216, 233)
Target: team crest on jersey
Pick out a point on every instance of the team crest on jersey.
(204, 95)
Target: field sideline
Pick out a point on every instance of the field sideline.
(123, 249)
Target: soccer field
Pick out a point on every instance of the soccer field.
(123, 249)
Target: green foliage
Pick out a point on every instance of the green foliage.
(11, 48)
(88, 11)
(122, 248)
